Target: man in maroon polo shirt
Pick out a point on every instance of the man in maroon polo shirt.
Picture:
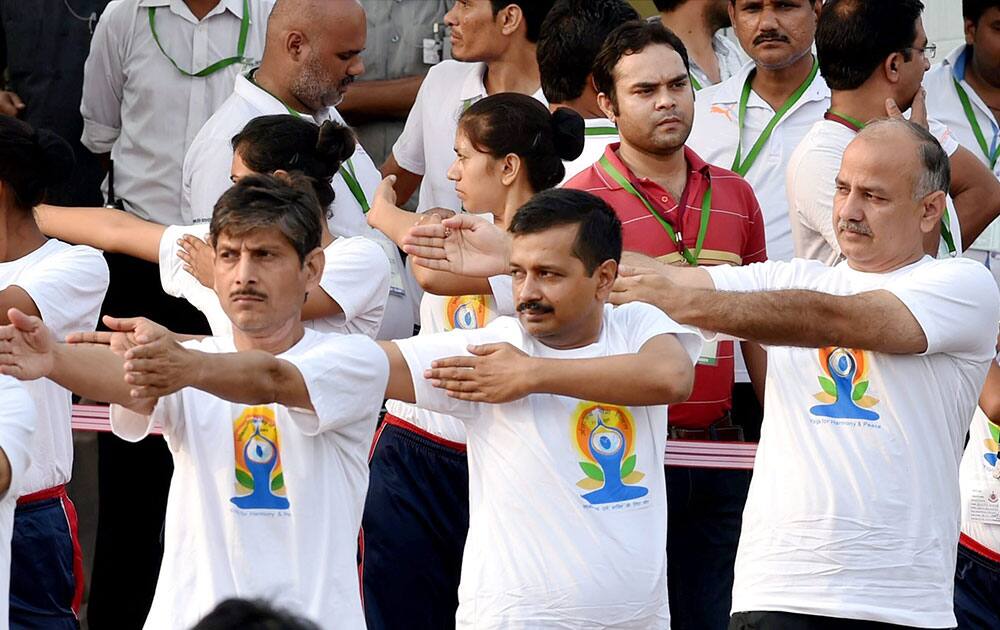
(677, 208)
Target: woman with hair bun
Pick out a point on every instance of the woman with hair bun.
(356, 278)
(508, 147)
(63, 285)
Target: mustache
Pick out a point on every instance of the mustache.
(769, 36)
(247, 293)
(853, 226)
(538, 307)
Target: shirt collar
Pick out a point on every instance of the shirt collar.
(730, 90)
(957, 59)
(233, 6)
(474, 86)
(264, 102)
(694, 161)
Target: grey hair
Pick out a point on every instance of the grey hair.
(936, 174)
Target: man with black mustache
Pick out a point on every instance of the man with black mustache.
(677, 208)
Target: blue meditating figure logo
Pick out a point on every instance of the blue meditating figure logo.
(844, 386)
(258, 462)
(605, 436)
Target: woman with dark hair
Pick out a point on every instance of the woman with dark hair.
(64, 285)
(355, 283)
(508, 147)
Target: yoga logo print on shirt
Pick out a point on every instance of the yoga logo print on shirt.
(845, 383)
(992, 449)
(465, 312)
(260, 483)
(604, 437)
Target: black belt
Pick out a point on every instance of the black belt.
(721, 430)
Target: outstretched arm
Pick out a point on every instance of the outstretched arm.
(660, 373)
(801, 318)
(400, 385)
(107, 229)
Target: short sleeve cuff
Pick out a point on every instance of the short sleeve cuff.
(129, 425)
(98, 138)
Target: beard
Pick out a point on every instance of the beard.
(316, 87)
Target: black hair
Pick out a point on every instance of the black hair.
(599, 237)
(854, 37)
(243, 614)
(572, 35)
(629, 39)
(515, 123)
(286, 202)
(972, 10)
(534, 12)
(32, 160)
(668, 5)
(290, 143)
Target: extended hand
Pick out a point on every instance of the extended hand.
(496, 373)
(918, 110)
(122, 336)
(384, 197)
(635, 284)
(27, 347)
(464, 244)
(199, 259)
(10, 103)
(159, 365)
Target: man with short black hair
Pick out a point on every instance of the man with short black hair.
(572, 35)
(676, 207)
(852, 519)
(871, 52)
(963, 92)
(493, 45)
(714, 57)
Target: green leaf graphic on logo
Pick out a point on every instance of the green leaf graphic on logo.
(859, 390)
(628, 466)
(827, 386)
(278, 482)
(592, 471)
(244, 479)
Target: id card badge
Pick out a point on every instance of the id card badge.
(433, 47)
(396, 286)
(709, 353)
(984, 504)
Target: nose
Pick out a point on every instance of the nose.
(357, 67)
(849, 207)
(246, 273)
(450, 19)
(454, 172)
(529, 289)
(768, 20)
(665, 99)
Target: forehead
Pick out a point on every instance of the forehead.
(884, 159)
(341, 24)
(654, 64)
(270, 238)
(553, 246)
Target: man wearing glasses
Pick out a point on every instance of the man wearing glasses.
(872, 52)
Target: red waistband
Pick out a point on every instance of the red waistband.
(979, 548)
(437, 439)
(54, 492)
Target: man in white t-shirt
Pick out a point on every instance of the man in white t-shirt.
(572, 35)
(269, 428)
(18, 419)
(871, 52)
(963, 92)
(699, 23)
(874, 369)
(493, 45)
(310, 58)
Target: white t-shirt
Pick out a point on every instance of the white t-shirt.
(427, 144)
(980, 480)
(598, 134)
(715, 137)
(441, 314)
(17, 422)
(853, 509)
(943, 103)
(67, 283)
(265, 501)
(553, 542)
(356, 276)
(207, 167)
(811, 181)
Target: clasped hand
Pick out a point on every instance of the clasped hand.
(495, 373)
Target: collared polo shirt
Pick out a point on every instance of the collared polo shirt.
(427, 145)
(140, 108)
(944, 104)
(716, 135)
(735, 237)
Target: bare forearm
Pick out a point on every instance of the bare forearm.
(369, 101)
(976, 193)
(251, 377)
(91, 371)
(618, 380)
(391, 220)
(111, 230)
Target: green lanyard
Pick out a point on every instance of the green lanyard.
(694, 82)
(856, 125)
(675, 237)
(600, 131)
(346, 169)
(976, 129)
(241, 45)
(742, 166)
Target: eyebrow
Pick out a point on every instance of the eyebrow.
(653, 84)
